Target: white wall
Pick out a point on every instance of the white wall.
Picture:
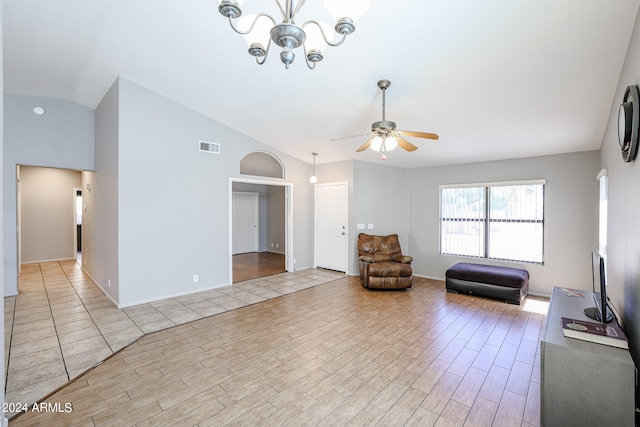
(100, 194)
(48, 221)
(623, 255)
(379, 198)
(61, 138)
(276, 219)
(571, 207)
(88, 219)
(172, 217)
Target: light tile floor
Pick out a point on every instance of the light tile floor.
(61, 324)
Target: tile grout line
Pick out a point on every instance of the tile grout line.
(139, 326)
(324, 315)
(8, 355)
(85, 307)
(484, 381)
(504, 389)
(55, 327)
(67, 271)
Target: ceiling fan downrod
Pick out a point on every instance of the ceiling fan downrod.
(383, 127)
(383, 85)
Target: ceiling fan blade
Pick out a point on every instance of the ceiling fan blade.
(365, 145)
(418, 134)
(352, 136)
(403, 143)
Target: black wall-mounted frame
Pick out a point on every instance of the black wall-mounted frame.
(629, 123)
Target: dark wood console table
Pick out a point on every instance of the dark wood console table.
(582, 383)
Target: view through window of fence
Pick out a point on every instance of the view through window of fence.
(497, 221)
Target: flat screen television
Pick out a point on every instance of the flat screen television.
(601, 312)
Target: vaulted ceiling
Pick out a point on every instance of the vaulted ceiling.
(495, 79)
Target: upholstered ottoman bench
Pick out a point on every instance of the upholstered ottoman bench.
(504, 283)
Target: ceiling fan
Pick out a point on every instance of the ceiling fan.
(384, 135)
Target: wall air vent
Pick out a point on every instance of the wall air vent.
(210, 147)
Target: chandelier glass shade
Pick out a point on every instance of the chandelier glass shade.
(259, 30)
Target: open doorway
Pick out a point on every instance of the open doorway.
(77, 219)
(271, 252)
(47, 214)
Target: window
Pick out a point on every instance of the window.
(502, 221)
(262, 163)
(603, 179)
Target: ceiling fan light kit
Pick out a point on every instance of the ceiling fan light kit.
(384, 144)
(384, 135)
(313, 36)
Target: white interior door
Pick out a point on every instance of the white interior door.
(331, 221)
(245, 222)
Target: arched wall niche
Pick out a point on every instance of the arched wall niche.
(262, 163)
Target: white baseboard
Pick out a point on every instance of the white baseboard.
(99, 287)
(49, 260)
(146, 301)
(440, 279)
(180, 294)
(538, 294)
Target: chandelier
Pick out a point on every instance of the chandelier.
(313, 36)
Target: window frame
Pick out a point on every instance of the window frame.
(486, 221)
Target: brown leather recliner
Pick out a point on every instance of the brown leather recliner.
(382, 265)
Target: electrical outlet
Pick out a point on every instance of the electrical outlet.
(195, 278)
(109, 283)
(276, 245)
